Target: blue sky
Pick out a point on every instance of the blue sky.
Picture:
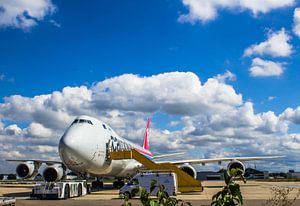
(75, 44)
(107, 38)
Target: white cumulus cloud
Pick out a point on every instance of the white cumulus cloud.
(12, 130)
(165, 92)
(265, 68)
(211, 117)
(228, 75)
(292, 115)
(43, 148)
(38, 130)
(24, 14)
(207, 10)
(292, 142)
(277, 45)
(296, 24)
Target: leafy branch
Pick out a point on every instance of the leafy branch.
(231, 194)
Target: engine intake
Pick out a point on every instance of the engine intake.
(53, 173)
(235, 164)
(26, 170)
(189, 169)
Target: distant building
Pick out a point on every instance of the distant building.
(11, 176)
(293, 175)
(4, 176)
(251, 173)
(278, 175)
(208, 175)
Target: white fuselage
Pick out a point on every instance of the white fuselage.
(85, 146)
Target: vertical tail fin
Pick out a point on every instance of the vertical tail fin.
(146, 136)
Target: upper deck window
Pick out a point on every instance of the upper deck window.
(81, 121)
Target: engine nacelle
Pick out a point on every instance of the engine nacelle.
(53, 173)
(26, 170)
(234, 165)
(189, 169)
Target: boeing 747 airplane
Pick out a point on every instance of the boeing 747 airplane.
(85, 146)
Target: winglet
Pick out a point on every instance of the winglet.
(146, 136)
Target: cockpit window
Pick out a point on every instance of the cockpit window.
(81, 121)
(104, 126)
(75, 121)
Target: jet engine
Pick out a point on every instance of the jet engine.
(53, 173)
(234, 165)
(189, 169)
(26, 170)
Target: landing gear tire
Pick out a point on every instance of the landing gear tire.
(97, 184)
(79, 190)
(118, 184)
(67, 192)
(88, 189)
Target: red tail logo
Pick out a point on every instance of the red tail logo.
(146, 136)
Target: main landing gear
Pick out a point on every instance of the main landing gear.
(98, 184)
(118, 183)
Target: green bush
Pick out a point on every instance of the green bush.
(282, 196)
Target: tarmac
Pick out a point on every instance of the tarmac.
(254, 193)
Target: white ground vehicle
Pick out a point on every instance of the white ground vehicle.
(7, 201)
(144, 179)
(59, 190)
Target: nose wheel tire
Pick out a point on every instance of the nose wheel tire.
(79, 190)
(67, 192)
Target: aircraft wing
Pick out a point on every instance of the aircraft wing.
(48, 162)
(168, 155)
(226, 159)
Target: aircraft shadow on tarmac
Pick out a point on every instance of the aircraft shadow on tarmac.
(214, 186)
(17, 194)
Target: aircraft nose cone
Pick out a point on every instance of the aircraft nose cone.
(71, 150)
(81, 150)
(69, 142)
